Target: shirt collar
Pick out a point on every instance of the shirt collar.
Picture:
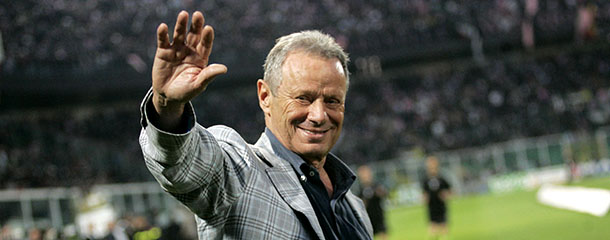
(345, 177)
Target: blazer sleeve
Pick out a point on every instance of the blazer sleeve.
(205, 169)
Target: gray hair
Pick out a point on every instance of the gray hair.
(311, 41)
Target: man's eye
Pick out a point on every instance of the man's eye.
(333, 101)
(302, 99)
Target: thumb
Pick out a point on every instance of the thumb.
(208, 74)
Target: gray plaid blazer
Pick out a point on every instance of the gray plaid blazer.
(236, 190)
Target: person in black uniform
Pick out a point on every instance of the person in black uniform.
(373, 195)
(436, 191)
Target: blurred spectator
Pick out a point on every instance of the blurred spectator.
(35, 234)
(436, 191)
(585, 22)
(373, 195)
(118, 231)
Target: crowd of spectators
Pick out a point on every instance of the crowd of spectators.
(75, 147)
(85, 36)
(459, 107)
(442, 108)
(446, 108)
(177, 224)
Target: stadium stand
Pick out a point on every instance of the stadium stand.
(448, 109)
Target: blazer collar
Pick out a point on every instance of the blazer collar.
(275, 146)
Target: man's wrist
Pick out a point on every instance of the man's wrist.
(168, 114)
(166, 108)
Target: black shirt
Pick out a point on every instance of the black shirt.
(433, 186)
(334, 213)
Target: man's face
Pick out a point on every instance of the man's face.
(432, 166)
(365, 175)
(306, 113)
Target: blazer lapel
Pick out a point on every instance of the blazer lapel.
(287, 184)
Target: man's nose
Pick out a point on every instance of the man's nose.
(317, 112)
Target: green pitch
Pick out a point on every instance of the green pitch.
(515, 215)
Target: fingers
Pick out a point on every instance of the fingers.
(205, 46)
(162, 36)
(194, 35)
(209, 73)
(180, 28)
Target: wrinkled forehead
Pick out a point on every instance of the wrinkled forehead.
(313, 64)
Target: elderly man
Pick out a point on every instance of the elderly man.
(287, 185)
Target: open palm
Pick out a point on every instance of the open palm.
(180, 70)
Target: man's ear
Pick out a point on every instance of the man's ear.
(264, 96)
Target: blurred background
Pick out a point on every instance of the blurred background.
(508, 94)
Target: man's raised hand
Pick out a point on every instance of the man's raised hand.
(180, 69)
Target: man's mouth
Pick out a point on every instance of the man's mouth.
(315, 132)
